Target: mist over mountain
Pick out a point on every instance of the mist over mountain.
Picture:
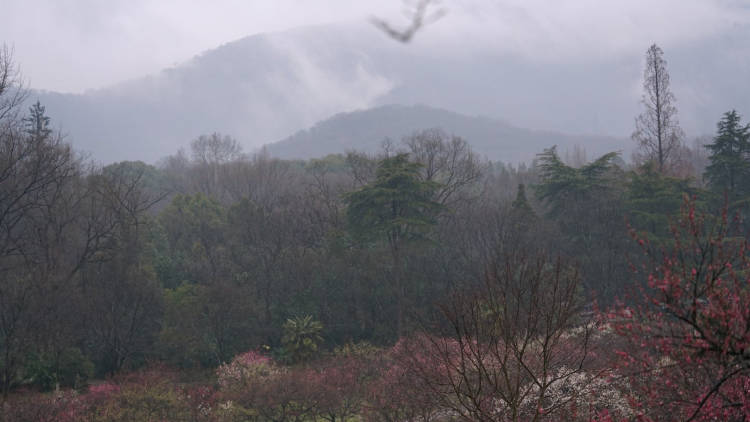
(262, 88)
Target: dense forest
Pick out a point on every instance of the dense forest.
(421, 283)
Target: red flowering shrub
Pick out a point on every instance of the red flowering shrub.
(150, 395)
(40, 407)
(340, 387)
(396, 394)
(687, 351)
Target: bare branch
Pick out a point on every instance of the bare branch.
(419, 14)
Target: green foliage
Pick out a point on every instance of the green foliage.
(521, 211)
(562, 185)
(360, 349)
(183, 340)
(586, 205)
(521, 203)
(653, 199)
(150, 179)
(581, 199)
(206, 325)
(194, 226)
(730, 158)
(69, 368)
(301, 340)
(398, 205)
(335, 163)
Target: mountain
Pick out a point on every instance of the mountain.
(257, 89)
(364, 130)
(262, 88)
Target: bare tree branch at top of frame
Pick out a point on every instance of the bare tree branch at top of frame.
(419, 13)
(12, 92)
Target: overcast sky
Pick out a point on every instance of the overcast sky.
(75, 45)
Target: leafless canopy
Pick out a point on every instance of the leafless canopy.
(12, 93)
(511, 350)
(447, 160)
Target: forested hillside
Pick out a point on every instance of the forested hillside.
(365, 131)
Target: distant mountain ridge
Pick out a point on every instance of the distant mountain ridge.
(262, 88)
(364, 130)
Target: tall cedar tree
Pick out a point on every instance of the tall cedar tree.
(657, 130)
(729, 170)
(398, 206)
(653, 199)
(562, 184)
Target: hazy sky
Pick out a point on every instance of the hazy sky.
(74, 45)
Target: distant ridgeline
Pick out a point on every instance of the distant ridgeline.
(367, 129)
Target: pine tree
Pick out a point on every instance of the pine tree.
(521, 203)
(729, 170)
(37, 122)
(521, 210)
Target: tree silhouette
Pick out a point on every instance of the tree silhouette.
(657, 130)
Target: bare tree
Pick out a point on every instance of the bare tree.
(657, 130)
(12, 92)
(447, 160)
(123, 301)
(41, 245)
(510, 350)
(361, 168)
(211, 153)
(215, 149)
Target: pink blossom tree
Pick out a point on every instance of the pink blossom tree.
(686, 353)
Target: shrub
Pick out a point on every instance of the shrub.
(301, 339)
(70, 368)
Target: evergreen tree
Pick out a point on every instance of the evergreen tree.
(37, 122)
(397, 206)
(653, 199)
(521, 211)
(563, 186)
(729, 170)
(586, 206)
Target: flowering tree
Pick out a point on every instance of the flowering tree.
(396, 394)
(687, 348)
(340, 387)
(254, 387)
